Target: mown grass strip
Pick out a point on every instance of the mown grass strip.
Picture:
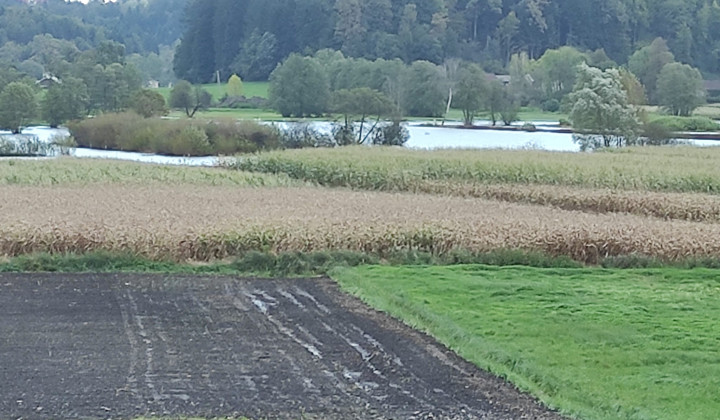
(595, 343)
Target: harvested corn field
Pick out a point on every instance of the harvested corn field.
(207, 223)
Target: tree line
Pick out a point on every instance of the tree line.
(250, 37)
(325, 82)
(47, 37)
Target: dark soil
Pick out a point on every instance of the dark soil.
(123, 346)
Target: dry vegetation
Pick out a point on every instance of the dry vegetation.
(671, 183)
(200, 223)
(681, 206)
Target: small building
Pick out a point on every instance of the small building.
(48, 80)
(152, 84)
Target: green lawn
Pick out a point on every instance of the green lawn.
(250, 89)
(597, 344)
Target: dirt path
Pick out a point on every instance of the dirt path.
(121, 346)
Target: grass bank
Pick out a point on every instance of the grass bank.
(597, 344)
(266, 264)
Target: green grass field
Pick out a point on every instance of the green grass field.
(597, 344)
(250, 89)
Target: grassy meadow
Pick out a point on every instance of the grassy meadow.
(250, 89)
(597, 344)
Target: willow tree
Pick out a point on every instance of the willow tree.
(601, 114)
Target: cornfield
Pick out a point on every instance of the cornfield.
(671, 169)
(202, 223)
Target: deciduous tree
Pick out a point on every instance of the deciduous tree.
(471, 92)
(188, 98)
(299, 88)
(65, 101)
(601, 114)
(149, 103)
(18, 105)
(680, 89)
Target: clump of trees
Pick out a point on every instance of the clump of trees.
(17, 106)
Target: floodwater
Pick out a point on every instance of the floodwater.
(422, 136)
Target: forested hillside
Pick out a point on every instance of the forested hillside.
(250, 37)
(45, 35)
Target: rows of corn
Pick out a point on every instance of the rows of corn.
(671, 183)
(202, 222)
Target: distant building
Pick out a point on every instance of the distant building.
(503, 78)
(48, 80)
(152, 84)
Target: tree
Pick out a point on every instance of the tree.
(149, 103)
(647, 62)
(680, 89)
(556, 71)
(633, 88)
(234, 86)
(299, 88)
(258, 56)
(600, 109)
(501, 103)
(506, 32)
(188, 98)
(65, 101)
(471, 92)
(424, 92)
(359, 104)
(17, 106)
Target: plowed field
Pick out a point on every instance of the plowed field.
(123, 346)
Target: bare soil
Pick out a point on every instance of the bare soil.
(124, 346)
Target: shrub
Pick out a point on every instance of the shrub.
(129, 131)
(674, 123)
(551, 105)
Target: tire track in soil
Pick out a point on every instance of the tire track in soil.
(122, 346)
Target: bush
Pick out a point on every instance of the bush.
(298, 136)
(392, 134)
(656, 134)
(674, 123)
(564, 123)
(529, 127)
(551, 105)
(130, 132)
